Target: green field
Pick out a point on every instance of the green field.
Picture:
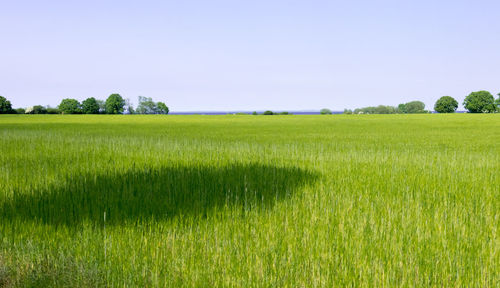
(250, 201)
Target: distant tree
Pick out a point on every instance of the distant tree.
(255, 113)
(268, 112)
(90, 106)
(347, 111)
(402, 108)
(70, 106)
(6, 106)
(114, 104)
(20, 110)
(51, 110)
(37, 109)
(446, 104)
(146, 106)
(382, 109)
(162, 108)
(480, 102)
(325, 111)
(284, 113)
(414, 107)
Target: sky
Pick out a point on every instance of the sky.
(249, 55)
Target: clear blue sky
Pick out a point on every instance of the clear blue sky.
(249, 55)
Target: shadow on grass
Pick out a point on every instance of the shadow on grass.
(162, 193)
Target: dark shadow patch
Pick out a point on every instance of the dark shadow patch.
(156, 193)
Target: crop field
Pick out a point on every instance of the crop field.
(250, 201)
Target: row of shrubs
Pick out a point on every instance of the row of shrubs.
(267, 112)
(413, 107)
(475, 102)
(114, 104)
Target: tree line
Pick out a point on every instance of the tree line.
(114, 104)
(476, 102)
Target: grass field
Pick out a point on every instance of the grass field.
(250, 201)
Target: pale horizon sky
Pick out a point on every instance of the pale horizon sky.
(249, 55)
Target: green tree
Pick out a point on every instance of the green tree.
(20, 110)
(146, 106)
(402, 108)
(382, 109)
(114, 104)
(6, 106)
(480, 102)
(70, 106)
(268, 112)
(162, 108)
(90, 106)
(347, 111)
(414, 107)
(325, 111)
(255, 113)
(446, 104)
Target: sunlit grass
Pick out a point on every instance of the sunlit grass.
(250, 201)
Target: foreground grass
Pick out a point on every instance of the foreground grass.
(249, 201)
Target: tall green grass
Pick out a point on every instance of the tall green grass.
(249, 201)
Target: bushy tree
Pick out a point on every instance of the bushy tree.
(480, 102)
(347, 111)
(325, 111)
(20, 110)
(402, 108)
(146, 106)
(70, 106)
(268, 112)
(255, 113)
(6, 106)
(411, 107)
(382, 109)
(446, 104)
(114, 104)
(414, 107)
(90, 106)
(162, 108)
